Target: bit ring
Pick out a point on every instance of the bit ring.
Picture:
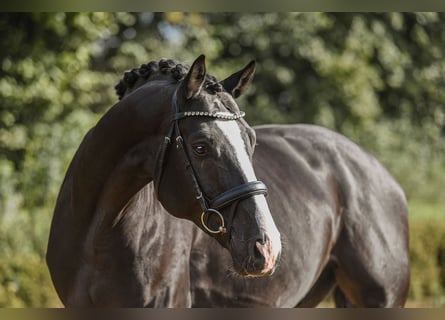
(221, 229)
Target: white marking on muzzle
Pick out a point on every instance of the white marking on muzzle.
(267, 250)
(263, 216)
(272, 246)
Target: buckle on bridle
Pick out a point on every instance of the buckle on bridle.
(221, 229)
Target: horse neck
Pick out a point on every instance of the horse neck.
(117, 157)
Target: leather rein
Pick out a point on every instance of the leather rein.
(208, 206)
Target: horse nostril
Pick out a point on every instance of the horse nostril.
(256, 248)
(261, 241)
(262, 259)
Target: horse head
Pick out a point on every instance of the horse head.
(204, 172)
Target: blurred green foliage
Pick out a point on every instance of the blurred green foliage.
(427, 254)
(25, 282)
(376, 77)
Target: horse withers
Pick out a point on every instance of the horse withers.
(176, 146)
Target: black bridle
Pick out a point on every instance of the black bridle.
(209, 206)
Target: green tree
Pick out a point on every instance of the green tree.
(49, 96)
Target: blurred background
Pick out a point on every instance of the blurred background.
(378, 78)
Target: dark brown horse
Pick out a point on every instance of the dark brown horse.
(176, 146)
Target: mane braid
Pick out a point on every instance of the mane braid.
(164, 69)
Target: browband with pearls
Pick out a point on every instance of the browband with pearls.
(216, 115)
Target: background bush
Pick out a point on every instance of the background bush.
(25, 282)
(427, 260)
(376, 77)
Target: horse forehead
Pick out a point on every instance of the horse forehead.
(224, 128)
(232, 135)
(220, 101)
(226, 101)
(236, 143)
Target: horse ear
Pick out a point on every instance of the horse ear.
(238, 83)
(194, 79)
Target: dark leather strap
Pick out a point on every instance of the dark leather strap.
(238, 193)
(160, 158)
(189, 168)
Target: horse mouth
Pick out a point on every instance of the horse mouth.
(256, 258)
(247, 274)
(261, 264)
(251, 272)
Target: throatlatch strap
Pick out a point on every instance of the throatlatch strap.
(159, 164)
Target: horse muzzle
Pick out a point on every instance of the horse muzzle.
(258, 257)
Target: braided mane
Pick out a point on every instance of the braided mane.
(165, 69)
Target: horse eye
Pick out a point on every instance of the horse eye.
(200, 150)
